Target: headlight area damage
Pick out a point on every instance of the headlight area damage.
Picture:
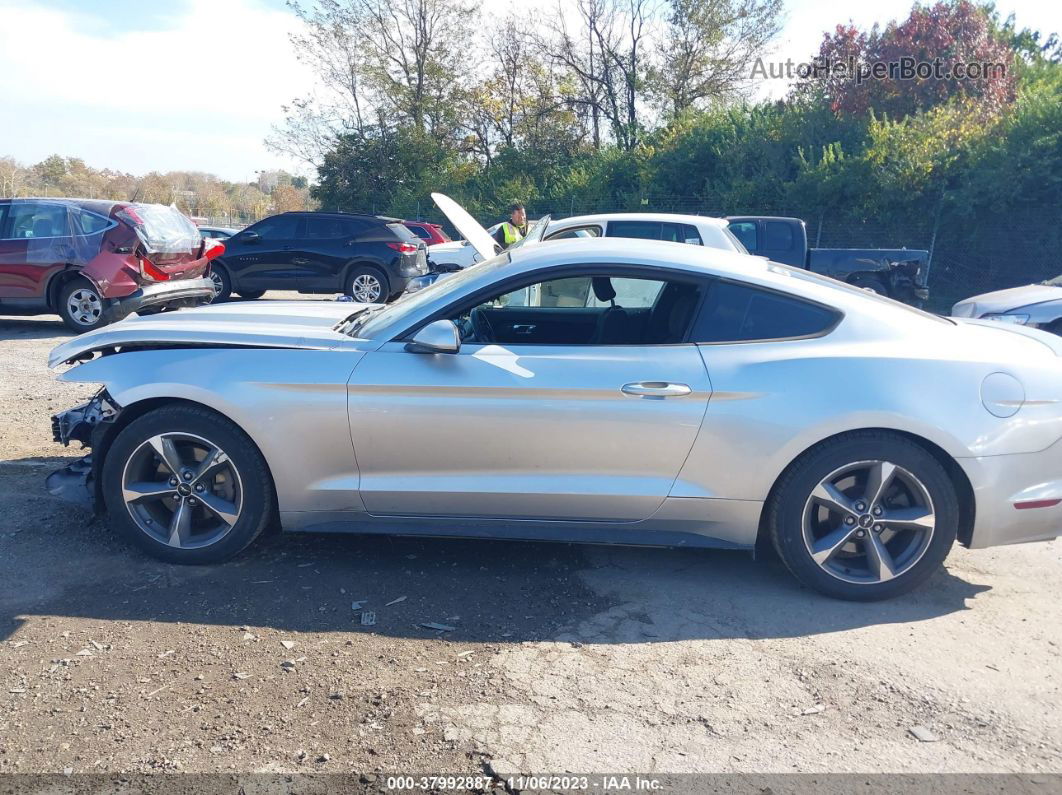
(88, 423)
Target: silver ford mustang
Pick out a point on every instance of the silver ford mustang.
(607, 390)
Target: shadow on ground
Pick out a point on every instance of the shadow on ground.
(32, 327)
(60, 561)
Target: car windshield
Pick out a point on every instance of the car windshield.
(367, 324)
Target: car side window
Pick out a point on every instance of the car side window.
(329, 229)
(576, 231)
(92, 224)
(777, 236)
(422, 232)
(29, 221)
(584, 310)
(745, 231)
(279, 227)
(642, 230)
(734, 312)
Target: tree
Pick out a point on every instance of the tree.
(707, 49)
(950, 38)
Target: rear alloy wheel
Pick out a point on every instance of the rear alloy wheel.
(222, 284)
(367, 286)
(863, 519)
(187, 485)
(80, 306)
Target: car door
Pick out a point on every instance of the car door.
(559, 430)
(36, 240)
(261, 256)
(325, 247)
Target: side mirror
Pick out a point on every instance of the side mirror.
(441, 336)
(249, 237)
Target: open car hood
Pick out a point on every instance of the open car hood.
(252, 324)
(468, 226)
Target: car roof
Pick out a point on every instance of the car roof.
(654, 217)
(337, 214)
(101, 206)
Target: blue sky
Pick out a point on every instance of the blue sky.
(196, 84)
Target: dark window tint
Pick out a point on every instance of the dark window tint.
(739, 313)
(745, 231)
(420, 231)
(643, 230)
(777, 236)
(329, 229)
(279, 227)
(29, 220)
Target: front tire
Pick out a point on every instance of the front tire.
(251, 295)
(80, 306)
(187, 485)
(865, 516)
(367, 285)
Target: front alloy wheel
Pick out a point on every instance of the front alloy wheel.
(187, 485)
(182, 490)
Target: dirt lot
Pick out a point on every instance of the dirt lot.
(563, 658)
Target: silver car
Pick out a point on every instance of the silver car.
(608, 390)
(1035, 305)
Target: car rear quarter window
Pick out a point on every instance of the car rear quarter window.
(734, 312)
(91, 223)
(331, 229)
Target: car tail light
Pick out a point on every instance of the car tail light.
(403, 248)
(216, 250)
(151, 272)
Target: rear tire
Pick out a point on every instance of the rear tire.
(222, 284)
(367, 285)
(187, 485)
(840, 533)
(251, 295)
(81, 306)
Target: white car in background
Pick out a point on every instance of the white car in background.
(697, 230)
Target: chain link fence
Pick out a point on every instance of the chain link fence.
(969, 253)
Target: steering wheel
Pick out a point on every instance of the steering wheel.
(481, 325)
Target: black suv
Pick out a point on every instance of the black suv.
(368, 257)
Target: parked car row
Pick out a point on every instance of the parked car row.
(94, 262)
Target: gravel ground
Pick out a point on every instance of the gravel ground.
(562, 658)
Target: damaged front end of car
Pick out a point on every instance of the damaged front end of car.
(88, 423)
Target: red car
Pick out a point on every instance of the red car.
(429, 233)
(95, 261)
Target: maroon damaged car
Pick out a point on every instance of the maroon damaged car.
(95, 261)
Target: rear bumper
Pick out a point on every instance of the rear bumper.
(1001, 481)
(183, 292)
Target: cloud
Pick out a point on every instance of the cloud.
(215, 75)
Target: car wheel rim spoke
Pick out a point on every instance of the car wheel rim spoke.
(84, 306)
(182, 490)
(145, 492)
(366, 289)
(868, 522)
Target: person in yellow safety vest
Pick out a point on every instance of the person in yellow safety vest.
(514, 229)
